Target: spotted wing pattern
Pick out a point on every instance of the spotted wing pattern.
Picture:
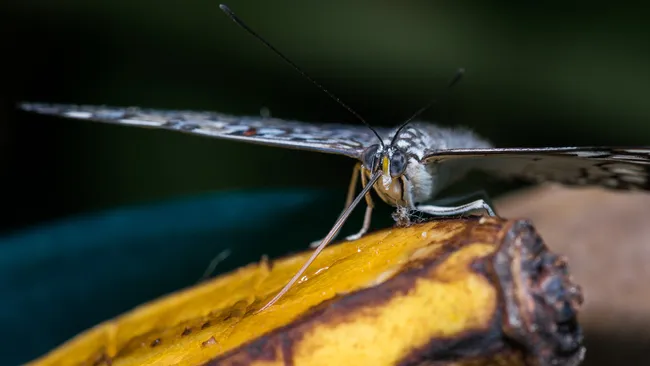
(619, 168)
(349, 140)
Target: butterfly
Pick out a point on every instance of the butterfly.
(407, 166)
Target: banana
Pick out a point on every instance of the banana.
(474, 291)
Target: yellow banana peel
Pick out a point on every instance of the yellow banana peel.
(444, 292)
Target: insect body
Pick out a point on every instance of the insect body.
(406, 166)
(415, 165)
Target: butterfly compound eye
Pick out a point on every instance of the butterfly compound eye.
(370, 158)
(397, 164)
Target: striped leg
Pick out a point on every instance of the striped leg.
(356, 172)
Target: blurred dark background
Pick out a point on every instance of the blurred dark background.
(538, 74)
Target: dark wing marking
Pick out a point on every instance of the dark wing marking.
(328, 138)
(612, 167)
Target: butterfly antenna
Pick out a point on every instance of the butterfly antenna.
(454, 81)
(241, 23)
(330, 236)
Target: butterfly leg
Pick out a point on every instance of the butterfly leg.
(477, 195)
(367, 217)
(465, 209)
(352, 188)
(477, 205)
(356, 171)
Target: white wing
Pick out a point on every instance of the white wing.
(341, 139)
(612, 167)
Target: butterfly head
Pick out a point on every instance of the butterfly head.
(392, 162)
(389, 159)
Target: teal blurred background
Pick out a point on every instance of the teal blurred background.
(537, 74)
